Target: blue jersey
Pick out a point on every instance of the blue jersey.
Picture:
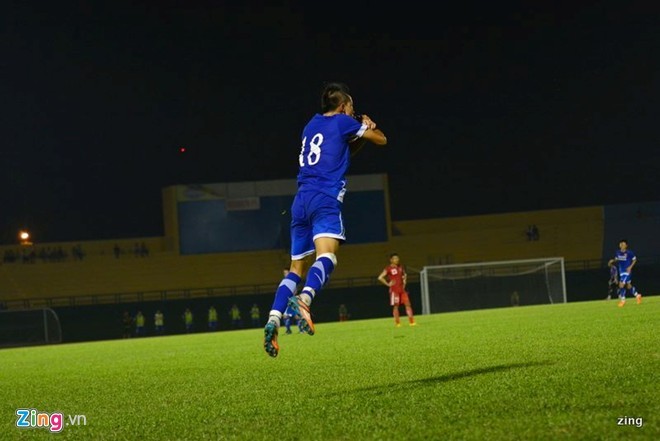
(324, 157)
(624, 259)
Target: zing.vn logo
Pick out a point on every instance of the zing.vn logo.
(30, 418)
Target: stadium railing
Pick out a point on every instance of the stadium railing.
(237, 290)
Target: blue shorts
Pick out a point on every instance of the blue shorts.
(625, 278)
(314, 215)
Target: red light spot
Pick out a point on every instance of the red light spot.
(182, 150)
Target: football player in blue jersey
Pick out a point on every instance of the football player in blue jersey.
(317, 228)
(290, 318)
(625, 260)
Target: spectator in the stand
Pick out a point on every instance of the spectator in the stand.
(254, 316)
(535, 232)
(188, 320)
(235, 315)
(59, 255)
(139, 324)
(529, 233)
(117, 251)
(159, 322)
(213, 319)
(127, 324)
(77, 252)
(29, 256)
(144, 251)
(343, 313)
(515, 299)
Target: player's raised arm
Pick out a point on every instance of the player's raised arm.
(373, 134)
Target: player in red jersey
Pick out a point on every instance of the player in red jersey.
(394, 277)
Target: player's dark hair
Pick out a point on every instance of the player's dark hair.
(624, 241)
(393, 254)
(333, 96)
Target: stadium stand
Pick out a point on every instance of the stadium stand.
(434, 241)
(575, 234)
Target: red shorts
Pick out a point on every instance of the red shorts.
(399, 298)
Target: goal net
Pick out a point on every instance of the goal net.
(29, 327)
(492, 284)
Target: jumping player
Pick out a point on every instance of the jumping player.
(394, 277)
(317, 228)
(625, 260)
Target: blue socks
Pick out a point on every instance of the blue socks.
(318, 276)
(285, 290)
(622, 293)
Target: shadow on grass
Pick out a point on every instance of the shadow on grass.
(445, 378)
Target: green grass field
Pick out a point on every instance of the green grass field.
(550, 372)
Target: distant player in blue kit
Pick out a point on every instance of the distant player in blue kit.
(317, 228)
(290, 318)
(625, 260)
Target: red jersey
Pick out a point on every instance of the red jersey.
(396, 274)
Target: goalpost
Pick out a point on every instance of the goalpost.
(492, 284)
(26, 327)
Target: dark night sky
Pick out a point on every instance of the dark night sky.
(486, 110)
